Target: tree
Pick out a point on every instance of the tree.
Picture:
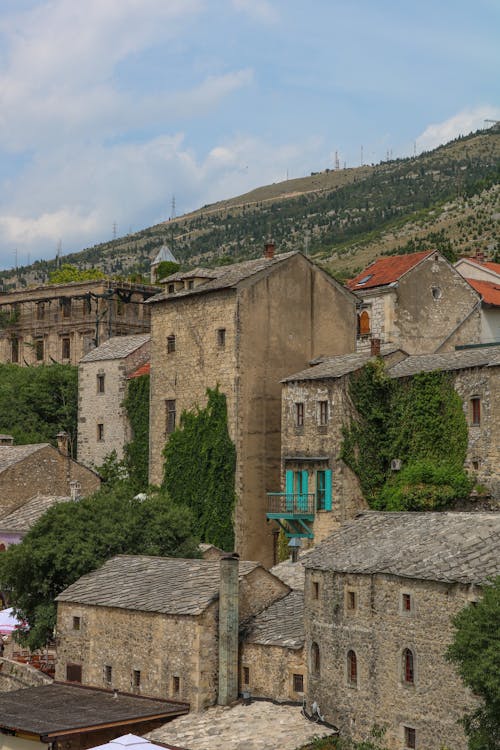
(475, 651)
(68, 273)
(73, 538)
(166, 268)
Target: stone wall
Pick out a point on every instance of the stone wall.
(15, 676)
(106, 408)
(378, 629)
(271, 671)
(258, 590)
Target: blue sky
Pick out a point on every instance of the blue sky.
(109, 107)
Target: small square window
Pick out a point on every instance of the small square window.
(299, 414)
(315, 590)
(246, 675)
(410, 738)
(108, 674)
(100, 432)
(77, 623)
(190, 284)
(176, 684)
(74, 672)
(351, 600)
(136, 678)
(406, 602)
(298, 683)
(101, 383)
(221, 337)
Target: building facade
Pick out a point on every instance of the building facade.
(63, 322)
(484, 277)
(243, 328)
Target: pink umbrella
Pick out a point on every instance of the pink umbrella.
(8, 621)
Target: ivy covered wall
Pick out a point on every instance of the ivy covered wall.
(136, 404)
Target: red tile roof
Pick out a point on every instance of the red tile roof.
(489, 291)
(495, 267)
(142, 370)
(386, 270)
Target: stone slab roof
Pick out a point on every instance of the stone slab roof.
(13, 454)
(386, 270)
(168, 585)
(117, 347)
(291, 573)
(458, 360)
(227, 277)
(22, 519)
(336, 367)
(58, 708)
(195, 273)
(280, 624)
(452, 547)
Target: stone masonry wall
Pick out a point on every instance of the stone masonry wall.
(271, 671)
(378, 629)
(258, 590)
(15, 676)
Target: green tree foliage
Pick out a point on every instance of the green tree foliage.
(68, 273)
(200, 463)
(165, 268)
(432, 241)
(420, 421)
(38, 402)
(73, 538)
(475, 651)
(136, 404)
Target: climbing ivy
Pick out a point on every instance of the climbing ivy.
(200, 464)
(419, 421)
(136, 404)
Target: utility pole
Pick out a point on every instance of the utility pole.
(15, 255)
(172, 210)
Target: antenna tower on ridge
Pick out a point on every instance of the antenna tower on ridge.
(172, 210)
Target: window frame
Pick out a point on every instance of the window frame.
(76, 623)
(65, 347)
(77, 670)
(136, 678)
(171, 343)
(170, 415)
(352, 668)
(299, 414)
(475, 406)
(297, 679)
(408, 664)
(100, 432)
(221, 338)
(410, 737)
(39, 346)
(101, 382)
(323, 413)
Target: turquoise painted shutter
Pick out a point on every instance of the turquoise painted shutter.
(303, 499)
(328, 489)
(289, 490)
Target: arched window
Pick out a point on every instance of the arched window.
(408, 667)
(364, 324)
(315, 659)
(352, 668)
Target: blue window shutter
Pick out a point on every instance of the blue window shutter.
(328, 489)
(303, 500)
(289, 489)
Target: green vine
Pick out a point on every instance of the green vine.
(419, 421)
(136, 404)
(200, 464)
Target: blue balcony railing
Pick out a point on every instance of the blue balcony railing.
(286, 504)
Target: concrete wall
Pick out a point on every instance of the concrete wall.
(271, 670)
(378, 630)
(105, 408)
(490, 324)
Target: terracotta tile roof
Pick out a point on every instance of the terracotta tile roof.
(117, 347)
(495, 267)
(144, 369)
(489, 291)
(386, 270)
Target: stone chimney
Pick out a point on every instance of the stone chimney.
(63, 443)
(228, 629)
(269, 249)
(375, 347)
(480, 256)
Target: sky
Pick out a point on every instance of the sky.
(110, 108)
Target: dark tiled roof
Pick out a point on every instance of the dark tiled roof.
(336, 367)
(27, 514)
(489, 290)
(194, 273)
(386, 270)
(460, 359)
(117, 347)
(13, 454)
(451, 547)
(227, 276)
(280, 624)
(168, 585)
(58, 708)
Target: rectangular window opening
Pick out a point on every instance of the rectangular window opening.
(410, 738)
(170, 343)
(298, 683)
(315, 590)
(136, 678)
(14, 348)
(74, 672)
(66, 307)
(351, 600)
(40, 310)
(100, 432)
(108, 674)
(176, 684)
(39, 350)
(170, 406)
(476, 410)
(76, 623)
(323, 413)
(406, 602)
(221, 337)
(66, 347)
(100, 383)
(299, 414)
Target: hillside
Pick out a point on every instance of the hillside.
(449, 197)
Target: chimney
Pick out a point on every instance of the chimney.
(228, 629)
(480, 256)
(269, 249)
(375, 347)
(63, 443)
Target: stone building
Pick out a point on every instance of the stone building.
(15, 524)
(150, 625)
(380, 594)
(103, 425)
(484, 277)
(63, 322)
(417, 302)
(243, 327)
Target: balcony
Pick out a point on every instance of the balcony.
(296, 509)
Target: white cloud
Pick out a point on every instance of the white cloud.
(259, 10)
(463, 123)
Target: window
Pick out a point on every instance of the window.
(352, 668)
(315, 590)
(298, 683)
(221, 337)
(87, 305)
(246, 675)
(323, 413)
(120, 307)
(14, 350)
(410, 738)
(351, 600)
(436, 293)
(136, 678)
(171, 288)
(108, 674)
(76, 623)
(299, 414)
(40, 310)
(74, 672)
(170, 406)
(101, 378)
(364, 324)
(170, 344)
(66, 307)
(476, 463)
(176, 684)
(406, 602)
(408, 667)
(100, 432)
(476, 410)
(66, 347)
(321, 490)
(315, 659)
(39, 349)
(190, 284)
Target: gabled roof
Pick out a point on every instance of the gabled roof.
(22, 519)
(13, 454)
(453, 547)
(195, 273)
(489, 291)
(336, 367)
(164, 253)
(168, 585)
(493, 267)
(461, 359)
(117, 347)
(280, 624)
(386, 270)
(142, 370)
